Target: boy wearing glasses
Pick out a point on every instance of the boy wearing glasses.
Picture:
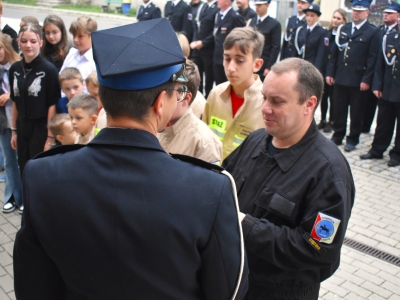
(187, 134)
(233, 108)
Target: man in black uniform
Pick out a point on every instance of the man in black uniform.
(148, 11)
(295, 189)
(386, 87)
(203, 44)
(245, 10)
(271, 29)
(292, 23)
(179, 13)
(225, 21)
(351, 69)
(133, 222)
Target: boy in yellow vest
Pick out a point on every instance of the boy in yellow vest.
(233, 108)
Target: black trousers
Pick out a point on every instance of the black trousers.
(328, 94)
(388, 112)
(219, 74)
(343, 98)
(31, 137)
(252, 294)
(369, 112)
(206, 70)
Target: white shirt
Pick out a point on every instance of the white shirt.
(6, 88)
(312, 27)
(262, 18)
(301, 17)
(223, 13)
(358, 26)
(84, 63)
(146, 4)
(176, 2)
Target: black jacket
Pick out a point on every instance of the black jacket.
(247, 14)
(222, 28)
(14, 36)
(151, 12)
(180, 17)
(282, 197)
(288, 49)
(133, 222)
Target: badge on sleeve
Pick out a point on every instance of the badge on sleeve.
(325, 228)
(190, 17)
(326, 42)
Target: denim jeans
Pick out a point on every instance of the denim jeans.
(13, 185)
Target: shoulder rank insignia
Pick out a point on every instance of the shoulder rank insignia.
(325, 228)
(198, 162)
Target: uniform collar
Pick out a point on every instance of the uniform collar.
(312, 27)
(223, 13)
(288, 157)
(181, 124)
(145, 5)
(176, 2)
(359, 25)
(262, 18)
(211, 3)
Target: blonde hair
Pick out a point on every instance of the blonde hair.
(92, 79)
(56, 122)
(88, 103)
(70, 73)
(83, 24)
(344, 16)
(10, 55)
(184, 42)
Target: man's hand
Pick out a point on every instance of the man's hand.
(330, 80)
(378, 94)
(364, 86)
(196, 45)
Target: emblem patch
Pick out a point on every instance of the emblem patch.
(325, 228)
(326, 41)
(190, 17)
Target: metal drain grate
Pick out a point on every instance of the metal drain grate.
(394, 260)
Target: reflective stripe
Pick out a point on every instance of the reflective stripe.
(96, 131)
(237, 140)
(219, 134)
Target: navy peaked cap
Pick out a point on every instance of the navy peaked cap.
(392, 7)
(361, 4)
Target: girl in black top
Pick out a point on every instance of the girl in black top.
(34, 88)
(55, 44)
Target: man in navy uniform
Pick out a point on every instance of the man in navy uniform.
(350, 70)
(119, 218)
(272, 30)
(225, 21)
(203, 44)
(386, 87)
(148, 11)
(179, 13)
(292, 23)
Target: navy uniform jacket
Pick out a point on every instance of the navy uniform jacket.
(180, 17)
(121, 219)
(247, 14)
(355, 63)
(151, 12)
(222, 28)
(271, 29)
(316, 46)
(387, 76)
(204, 29)
(288, 49)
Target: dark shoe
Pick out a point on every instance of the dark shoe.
(321, 124)
(336, 141)
(328, 127)
(349, 147)
(393, 163)
(370, 156)
(8, 207)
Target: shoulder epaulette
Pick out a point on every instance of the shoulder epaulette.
(197, 162)
(59, 149)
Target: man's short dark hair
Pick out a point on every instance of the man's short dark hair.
(132, 104)
(309, 80)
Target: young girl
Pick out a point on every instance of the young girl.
(34, 91)
(55, 44)
(13, 187)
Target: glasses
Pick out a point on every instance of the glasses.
(182, 92)
(54, 32)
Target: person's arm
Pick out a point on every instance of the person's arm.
(50, 141)
(35, 274)
(373, 51)
(14, 116)
(276, 36)
(157, 13)
(322, 52)
(187, 23)
(377, 82)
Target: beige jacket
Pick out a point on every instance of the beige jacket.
(198, 105)
(101, 121)
(190, 136)
(84, 139)
(218, 115)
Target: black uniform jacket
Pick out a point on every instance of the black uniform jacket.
(387, 76)
(282, 196)
(180, 17)
(316, 46)
(151, 12)
(121, 219)
(222, 28)
(288, 48)
(247, 14)
(355, 63)
(271, 29)
(204, 29)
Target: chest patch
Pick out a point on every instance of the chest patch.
(325, 228)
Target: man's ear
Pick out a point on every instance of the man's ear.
(311, 103)
(159, 104)
(94, 119)
(187, 99)
(59, 138)
(258, 63)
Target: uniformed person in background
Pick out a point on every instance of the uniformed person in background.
(225, 21)
(179, 13)
(272, 31)
(148, 11)
(133, 222)
(292, 23)
(295, 189)
(386, 87)
(350, 70)
(245, 10)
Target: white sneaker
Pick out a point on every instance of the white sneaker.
(21, 209)
(8, 207)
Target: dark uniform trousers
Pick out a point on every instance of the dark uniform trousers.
(271, 29)
(151, 12)
(349, 66)
(288, 48)
(222, 28)
(387, 80)
(180, 17)
(328, 89)
(204, 56)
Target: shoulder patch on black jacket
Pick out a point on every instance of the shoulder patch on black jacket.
(59, 149)
(197, 162)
